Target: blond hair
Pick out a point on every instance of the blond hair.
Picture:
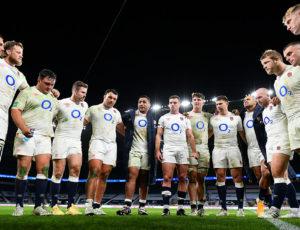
(273, 54)
(290, 11)
(9, 45)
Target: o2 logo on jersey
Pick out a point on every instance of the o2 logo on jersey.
(175, 127)
(108, 117)
(267, 120)
(10, 81)
(200, 125)
(224, 128)
(46, 104)
(142, 123)
(76, 114)
(283, 91)
(249, 124)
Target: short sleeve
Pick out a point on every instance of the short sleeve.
(161, 122)
(20, 101)
(239, 125)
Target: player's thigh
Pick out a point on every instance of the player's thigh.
(192, 173)
(234, 157)
(254, 157)
(74, 161)
(257, 171)
(182, 170)
(201, 177)
(221, 173)
(133, 173)
(105, 170)
(279, 164)
(95, 165)
(219, 158)
(236, 173)
(168, 169)
(23, 165)
(294, 133)
(58, 166)
(135, 159)
(3, 124)
(42, 162)
(144, 176)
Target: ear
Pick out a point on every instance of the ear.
(8, 52)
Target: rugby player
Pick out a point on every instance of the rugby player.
(256, 138)
(198, 168)
(139, 154)
(175, 129)
(33, 112)
(105, 120)
(287, 92)
(278, 152)
(226, 153)
(70, 115)
(291, 19)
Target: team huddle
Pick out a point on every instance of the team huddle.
(268, 127)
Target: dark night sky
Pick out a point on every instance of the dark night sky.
(158, 48)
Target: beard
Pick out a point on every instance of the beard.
(14, 61)
(248, 106)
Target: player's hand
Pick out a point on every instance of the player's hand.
(27, 132)
(195, 155)
(56, 93)
(275, 101)
(159, 157)
(187, 115)
(236, 112)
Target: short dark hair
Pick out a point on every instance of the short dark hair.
(222, 97)
(144, 96)
(78, 84)
(1, 36)
(200, 95)
(47, 73)
(291, 44)
(174, 97)
(111, 91)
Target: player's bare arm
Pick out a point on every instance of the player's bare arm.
(16, 115)
(191, 141)
(121, 128)
(242, 134)
(158, 136)
(210, 133)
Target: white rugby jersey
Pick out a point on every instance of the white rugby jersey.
(70, 118)
(175, 126)
(249, 131)
(38, 110)
(140, 142)
(225, 129)
(287, 88)
(275, 122)
(104, 122)
(200, 123)
(11, 79)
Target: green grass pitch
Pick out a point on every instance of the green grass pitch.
(153, 221)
